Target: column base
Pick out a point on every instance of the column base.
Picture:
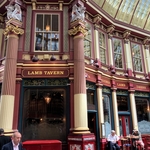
(9, 132)
(81, 141)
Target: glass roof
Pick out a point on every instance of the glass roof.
(134, 12)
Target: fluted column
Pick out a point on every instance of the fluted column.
(110, 35)
(111, 63)
(12, 32)
(128, 59)
(80, 99)
(115, 110)
(147, 58)
(100, 108)
(133, 110)
(96, 43)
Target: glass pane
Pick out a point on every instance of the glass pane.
(39, 23)
(55, 41)
(87, 48)
(142, 106)
(103, 55)
(88, 27)
(136, 55)
(47, 42)
(117, 47)
(102, 47)
(90, 97)
(54, 22)
(122, 103)
(102, 39)
(107, 115)
(47, 22)
(38, 42)
(44, 114)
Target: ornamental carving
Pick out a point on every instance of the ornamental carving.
(14, 29)
(78, 29)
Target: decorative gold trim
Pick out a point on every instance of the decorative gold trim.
(78, 29)
(14, 29)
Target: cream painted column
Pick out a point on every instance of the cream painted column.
(9, 79)
(128, 59)
(109, 32)
(96, 44)
(115, 110)
(147, 58)
(100, 109)
(80, 98)
(133, 110)
(111, 63)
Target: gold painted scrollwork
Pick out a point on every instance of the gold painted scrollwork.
(78, 29)
(14, 29)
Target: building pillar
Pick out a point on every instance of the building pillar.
(80, 98)
(96, 43)
(80, 136)
(12, 32)
(133, 110)
(111, 60)
(115, 111)
(147, 59)
(128, 58)
(100, 109)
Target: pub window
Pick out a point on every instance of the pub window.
(107, 113)
(44, 114)
(136, 57)
(102, 47)
(117, 48)
(88, 41)
(142, 108)
(122, 103)
(47, 32)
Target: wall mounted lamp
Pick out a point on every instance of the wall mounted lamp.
(35, 58)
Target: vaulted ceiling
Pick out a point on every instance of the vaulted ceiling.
(133, 12)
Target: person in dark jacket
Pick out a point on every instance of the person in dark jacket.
(15, 144)
(3, 139)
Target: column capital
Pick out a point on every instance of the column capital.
(13, 26)
(77, 27)
(126, 34)
(146, 41)
(146, 46)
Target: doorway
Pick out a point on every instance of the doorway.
(124, 125)
(93, 126)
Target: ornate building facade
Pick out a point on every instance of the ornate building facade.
(74, 70)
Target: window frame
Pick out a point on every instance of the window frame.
(141, 55)
(122, 52)
(60, 28)
(104, 48)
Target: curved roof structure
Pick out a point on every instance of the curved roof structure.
(133, 12)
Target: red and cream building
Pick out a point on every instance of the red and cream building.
(71, 75)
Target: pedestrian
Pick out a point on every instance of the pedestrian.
(15, 143)
(112, 141)
(3, 139)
